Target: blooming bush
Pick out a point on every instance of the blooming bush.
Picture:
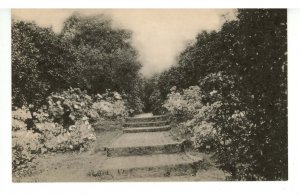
(204, 135)
(61, 125)
(193, 116)
(64, 122)
(77, 137)
(110, 105)
(25, 147)
(185, 104)
(69, 106)
(19, 117)
(25, 143)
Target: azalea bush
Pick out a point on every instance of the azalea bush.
(204, 129)
(110, 105)
(59, 126)
(183, 105)
(65, 121)
(19, 118)
(25, 143)
(77, 137)
(69, 106)
(204, 135)
(25, 147)
(193, 116)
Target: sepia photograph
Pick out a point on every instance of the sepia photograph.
(149, 95)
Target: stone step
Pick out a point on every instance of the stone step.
(146, 129)
(148, 119)
(159, 165)
(146, 124)
(145, 150)
(143, 144)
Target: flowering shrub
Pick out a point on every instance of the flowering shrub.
(69, 106)
(204, 135)
(64, 122)
(110, 105)
(25, 146)
(62, 125)
(184, 105)
(194, 117)
(25, 143)
(19, 117)
(77, 137)
(214, 120)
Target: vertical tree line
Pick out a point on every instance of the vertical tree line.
(245, 63)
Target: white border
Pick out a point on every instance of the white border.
(5, 98)
(289, 187)
(148, 4)
(294, 97)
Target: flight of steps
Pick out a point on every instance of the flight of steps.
(146, 149)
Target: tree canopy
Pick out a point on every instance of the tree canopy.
(245, 63)
(89, 53)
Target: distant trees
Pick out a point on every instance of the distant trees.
(245, 66)
(89, 53)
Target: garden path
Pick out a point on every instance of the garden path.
(146, 149)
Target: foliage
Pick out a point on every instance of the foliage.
(105, 56)
(25, 146)
(238, 102)
(88, 54)
(40, 63)
(204, 135)
(25, 143)
(192, 115)
(153, 98)
(64, 124)
(64, 121)
(242, 69)
(19, 117)
(110, 105)
(49, 72)
(69, 106)
(77, 137)
(184, 105)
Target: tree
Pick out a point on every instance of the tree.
(245, 65)
(106, 58)
(89, 54)
(39, 63)
(102, 50)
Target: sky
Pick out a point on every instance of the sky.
(159, 35)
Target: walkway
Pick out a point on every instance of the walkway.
(146, 149)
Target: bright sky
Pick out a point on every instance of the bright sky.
(158, 34)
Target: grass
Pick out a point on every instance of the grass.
(106, 132)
